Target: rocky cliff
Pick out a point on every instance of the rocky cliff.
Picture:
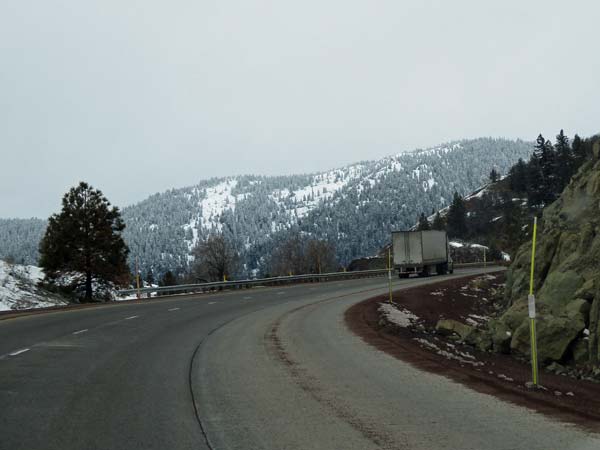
(567, 279)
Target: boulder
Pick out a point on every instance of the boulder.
(501, 336)
(559, 289)
(578, 309)
(594, 330)
(565, 280)
(480, 339)
(517, 279)
(586, 238)
(447, 327)
(586, 291)
(554, 336)
(556, 368)
(581, 354)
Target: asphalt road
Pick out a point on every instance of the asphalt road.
(265, 368)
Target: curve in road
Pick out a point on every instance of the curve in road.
(266, 368)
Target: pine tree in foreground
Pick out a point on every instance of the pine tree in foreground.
(85, 238)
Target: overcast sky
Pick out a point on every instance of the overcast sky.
(137, 97)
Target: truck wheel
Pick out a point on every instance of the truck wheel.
(425, 271)
(403, 275)
(440, 269)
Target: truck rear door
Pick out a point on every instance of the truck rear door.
(415, 248)
(400, 248)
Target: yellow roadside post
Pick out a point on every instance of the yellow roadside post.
(224, 277)
(390, 272)
(137, 277)
(531, 309)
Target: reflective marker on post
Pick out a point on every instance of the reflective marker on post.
(531, 305)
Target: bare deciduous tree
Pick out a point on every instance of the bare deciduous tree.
(320, 256)
(288, 257)
(215, 258)
(301, 255)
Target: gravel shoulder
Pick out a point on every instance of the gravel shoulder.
(469, 301)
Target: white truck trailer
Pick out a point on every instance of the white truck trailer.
(421, 252)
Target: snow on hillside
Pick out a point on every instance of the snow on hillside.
(217, 199)
(321, 187)
(18, 288)
(298, 202)
(353, 206)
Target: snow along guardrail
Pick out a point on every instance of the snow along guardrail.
(273, 281)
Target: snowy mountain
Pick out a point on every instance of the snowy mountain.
(355, 207)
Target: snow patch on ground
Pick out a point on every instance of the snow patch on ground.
(462, 357)
(401, 317)
(19, 290)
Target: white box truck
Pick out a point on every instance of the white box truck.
(421, 252)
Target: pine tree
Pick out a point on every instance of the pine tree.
(546, 157)
(578, 149)
(494, 176)
(518, 177)
(150, 277)
(86, 238)
(535, 182)
(457, 218)
(168, 279)
(438, 222)
(564, 161)
(423, 224)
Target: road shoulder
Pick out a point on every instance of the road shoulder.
(567, 399)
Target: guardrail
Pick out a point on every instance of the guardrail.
(240, 284)
(273, 281)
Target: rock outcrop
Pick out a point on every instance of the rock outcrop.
(567, 279)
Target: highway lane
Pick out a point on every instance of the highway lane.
(118, 376)
(271, 368)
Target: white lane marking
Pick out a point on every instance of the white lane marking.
(18, 352)
(131, 317)
(173, 309)
(247, 298)
(211, 303)
(80, 331)
(280, 293)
